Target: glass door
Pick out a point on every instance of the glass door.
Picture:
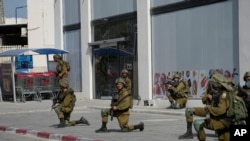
(109, 61)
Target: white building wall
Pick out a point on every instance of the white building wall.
(244, 37)
(144, 44)
(40, 29)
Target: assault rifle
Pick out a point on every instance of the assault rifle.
(54, 102)
(113, 103)
(170, 81)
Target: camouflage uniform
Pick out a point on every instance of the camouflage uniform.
(178, 95)
(246, 95)
(61, 70)
(121, 112)
(127, 81)
(217, 119)
(65, 106)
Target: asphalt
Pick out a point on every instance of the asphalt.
(155, 107)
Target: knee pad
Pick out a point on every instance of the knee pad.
(177, 105)
(168, 93)
(198, 124)
(57, 109)
(189, 112)
(104, 112)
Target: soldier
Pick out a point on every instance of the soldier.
(61, 69)
(127, 80)
(197, 111)
(246, 94)
(216, 120)
(64, 106)
(177, 92)
(120, 110)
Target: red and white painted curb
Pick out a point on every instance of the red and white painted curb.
(44, 134)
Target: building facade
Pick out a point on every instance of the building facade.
(151, 39)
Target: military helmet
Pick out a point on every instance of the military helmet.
(247, 74)
(120, 80)
(176, 75)
(124, 71)
(218, 79)
(56, 56)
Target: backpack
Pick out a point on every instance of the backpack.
(237, 110)
(67, 65)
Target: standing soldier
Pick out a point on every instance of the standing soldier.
(127, 80)
(217, 119)
(64, 105)
(61, 69)
(245, 94)
(120, 109)
(177, 92)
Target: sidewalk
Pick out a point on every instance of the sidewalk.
(159, 107)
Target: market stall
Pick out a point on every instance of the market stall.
(14, 83)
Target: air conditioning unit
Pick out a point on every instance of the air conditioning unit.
(24, 32)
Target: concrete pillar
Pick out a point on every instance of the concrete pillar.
(58, 24)
(144, 49)
(86, 57)
(244, 37)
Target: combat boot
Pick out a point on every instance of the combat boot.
(189, 133)
(172, 105)
(82, 121)
(103, 129)
(62, 123)
(139, 126)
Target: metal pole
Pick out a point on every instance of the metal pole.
(13, 78)
(16, 14)
(16, 11)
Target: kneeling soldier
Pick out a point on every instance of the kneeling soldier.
(64, 105)
(120, 109)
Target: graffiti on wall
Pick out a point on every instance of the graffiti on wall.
(197, 81)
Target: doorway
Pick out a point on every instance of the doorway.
(109, 58)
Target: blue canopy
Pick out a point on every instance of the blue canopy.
(25, 51)
(111, 52)
(44, 51)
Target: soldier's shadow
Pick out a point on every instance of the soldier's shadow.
(119, 131)
(207, 134)
(55, 125)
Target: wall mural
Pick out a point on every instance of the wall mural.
(197, 80)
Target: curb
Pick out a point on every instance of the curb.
(44, 134)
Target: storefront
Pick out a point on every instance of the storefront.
(109, 58)
(190, 37)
